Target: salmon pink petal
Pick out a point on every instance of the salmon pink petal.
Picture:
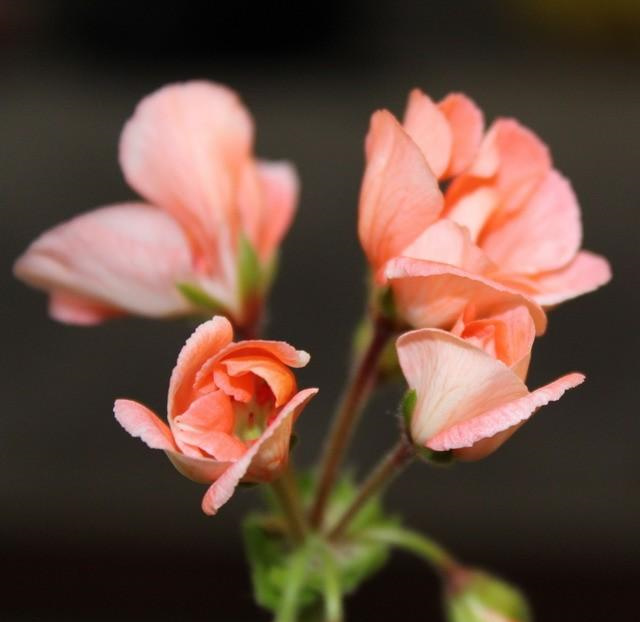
(431, 294)
(280, 350)
(503, 416)
(584, 274)
(201, 470)
(142, 423)
(240, 388)
(125, 258)
(474, 209)
(183, 150)
(447, 242)
(429, 128)
(281, 189)
(70, 309)
(280, 378)
(466, 122)
(399, 197)
(271, 448)
(210, 413)
(205, 342)
(544, 234)
(219, 445)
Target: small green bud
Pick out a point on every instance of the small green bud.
(475, 596)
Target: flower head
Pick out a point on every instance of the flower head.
(230, 409)
(507, 221)
(207, 236)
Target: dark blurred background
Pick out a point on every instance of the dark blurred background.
(95, 526)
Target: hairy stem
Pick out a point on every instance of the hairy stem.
(361, 382)
(381, 476)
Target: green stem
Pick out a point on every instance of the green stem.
(298, 564)
(332, 593)
(287, 495)
(386, 470)
(415, 543)
(361, 382)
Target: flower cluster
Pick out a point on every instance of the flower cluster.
(471, 236)
(471, 267)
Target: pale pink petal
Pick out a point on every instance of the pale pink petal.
(281, 188)
(544, 234)
(464, 395)
(126, 258)
(142, 423)
(183, 150)
(271, 448)
(474, 209)
(447, 242)
(71, 309)
(429, 128)
(584, 274)
(433, 295)
(205, 342)
(466, 122)
(502, 416)
(399, 197)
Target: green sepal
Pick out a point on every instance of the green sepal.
(477, 596)
(436, 458)
(249, 270)
(385, 303)
(198, 297)
(407, 406)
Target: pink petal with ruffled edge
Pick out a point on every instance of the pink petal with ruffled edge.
(142, 423)
(503, 417)
(183, 150)
(274, 442)
(120, 258)
(433, 295)
(463, 394)
(206, 341)
(474, 209)
(399, 197)
(544, 234)
(429, 128)
(466, 123)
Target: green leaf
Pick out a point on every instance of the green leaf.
(200, 298)
(331, 569)
(249, 270)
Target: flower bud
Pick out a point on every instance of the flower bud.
(475, 596)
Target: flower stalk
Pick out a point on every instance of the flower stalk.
(361, 382)
(400, 456)
(288, 497)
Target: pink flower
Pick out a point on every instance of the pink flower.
(231, 409)
(206, 238)
(508, 222)
(469, 383)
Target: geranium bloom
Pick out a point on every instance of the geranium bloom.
(206, 239)
(469, 383)
(231, 408)
(508, 221)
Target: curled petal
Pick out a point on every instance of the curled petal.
(206, 341)
(429, 128)
(115, 259)
(466, 123)
(434, 295)
(142, 423)
(399, 197)
(269, 452)
(183, 150)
